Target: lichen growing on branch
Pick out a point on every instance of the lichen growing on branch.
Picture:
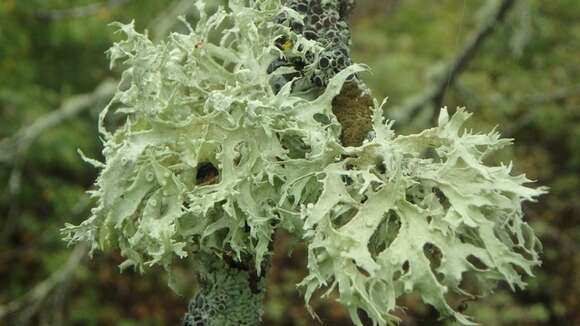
(326, 23)
(210, 160)
(228, 295)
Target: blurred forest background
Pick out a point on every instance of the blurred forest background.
(517, 67)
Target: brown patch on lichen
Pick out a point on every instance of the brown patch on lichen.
(353, 109)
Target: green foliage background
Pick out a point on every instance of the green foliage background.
(526, 78)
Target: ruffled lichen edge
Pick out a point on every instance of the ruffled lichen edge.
(394, 215)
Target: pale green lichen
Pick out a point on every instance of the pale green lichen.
(409, 196)
(228, 296)
(210, 160)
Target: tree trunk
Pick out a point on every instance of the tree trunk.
(231, 293)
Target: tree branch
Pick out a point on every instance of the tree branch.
(434, 95)
(229, 287)
(76, 12)
(556, 95)
(162, 24)
(17, 144)
(30, 301)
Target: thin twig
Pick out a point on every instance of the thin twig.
(77, 12)
(30, 302)
(161, 25)
(11, 150)
(12, 189)
(42, 290)
(539, 99)
(13, 147)
(557, 95)
(434, 95)
(16, 145)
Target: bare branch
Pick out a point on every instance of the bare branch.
(557, 95)
(434, 95)
(31, 300)
(16, 145)
(28, 304)
(77, 12)
(530, 101)
(161, 25)
(12, 148)
(12, 189)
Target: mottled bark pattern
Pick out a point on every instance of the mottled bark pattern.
(231, 294)
(326, 22)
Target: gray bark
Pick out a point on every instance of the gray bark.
(230, 294)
